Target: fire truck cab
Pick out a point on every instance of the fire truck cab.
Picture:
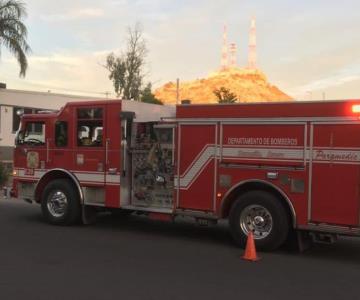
(270, 168)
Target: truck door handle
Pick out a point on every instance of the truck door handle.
(107, 151)
(112, 170)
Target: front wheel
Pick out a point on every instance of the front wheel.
(264, 215)
(60, 203)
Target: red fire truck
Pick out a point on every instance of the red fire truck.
(271, 168)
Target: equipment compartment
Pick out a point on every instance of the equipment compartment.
(152, 161)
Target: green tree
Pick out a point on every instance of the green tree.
(224, 95)
(148, 97)
(126, 70)
(4, 174)
(13, 32)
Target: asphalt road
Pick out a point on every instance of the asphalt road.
(136, 258)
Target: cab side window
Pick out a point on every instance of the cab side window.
(90, 127)
(61, 134)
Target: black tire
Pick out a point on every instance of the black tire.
(278, 233)
(72, 210)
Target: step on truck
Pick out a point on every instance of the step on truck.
(271, 168)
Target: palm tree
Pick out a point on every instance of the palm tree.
(13, 32)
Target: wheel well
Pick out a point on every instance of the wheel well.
(52, 175)
(245, 187)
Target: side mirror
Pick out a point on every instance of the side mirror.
(20, 112)
(160, 179)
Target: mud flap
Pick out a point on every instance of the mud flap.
(88, 214)
(304, 241)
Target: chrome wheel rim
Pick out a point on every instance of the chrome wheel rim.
(57, 204)
(257, 219)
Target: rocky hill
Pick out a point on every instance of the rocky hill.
(248, 85)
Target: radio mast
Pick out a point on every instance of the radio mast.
(252, 45)
(224, 52)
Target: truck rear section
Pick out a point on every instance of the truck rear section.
(272, 169)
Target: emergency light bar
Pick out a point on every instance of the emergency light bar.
(356, 108)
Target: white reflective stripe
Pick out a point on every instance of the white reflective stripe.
(91, 182)
(319, 155)
(197, 165)
(197, 158)
(111, 178)
(37, 174)
(273, 154)
(90, 177)
(86, 172)
(336, 162)
(82, 176)
(276, 121)
(263, 153)
(336, 155)
(187, 180)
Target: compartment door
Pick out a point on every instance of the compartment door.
(195, 179)
(112, 142)
(335, 174)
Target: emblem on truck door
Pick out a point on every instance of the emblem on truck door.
(80, 159)
(32, 160)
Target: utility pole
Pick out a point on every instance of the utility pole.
(177, 91)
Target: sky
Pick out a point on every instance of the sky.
(310, 49)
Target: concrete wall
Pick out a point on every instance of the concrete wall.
(38, 99)
(6, 134)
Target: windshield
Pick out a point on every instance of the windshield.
(32, 134)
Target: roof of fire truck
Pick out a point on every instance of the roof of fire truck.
(143, 111)
(294, 109)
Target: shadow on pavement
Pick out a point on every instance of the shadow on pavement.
(180, 229)
(345, 250)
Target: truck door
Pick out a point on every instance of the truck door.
(31, 148)
(335, 174)
(90, 146)
(112, 139)
(196, 170)
(60, 144)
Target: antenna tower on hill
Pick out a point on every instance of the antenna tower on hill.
(224, 52)
(252, 45)
(233, 54)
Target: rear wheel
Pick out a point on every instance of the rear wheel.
(60, 203)
(264, 215)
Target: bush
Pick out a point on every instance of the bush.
(4, 174)
(224, 95)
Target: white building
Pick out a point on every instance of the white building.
(12, 101)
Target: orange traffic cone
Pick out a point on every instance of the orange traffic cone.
(250, 250)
